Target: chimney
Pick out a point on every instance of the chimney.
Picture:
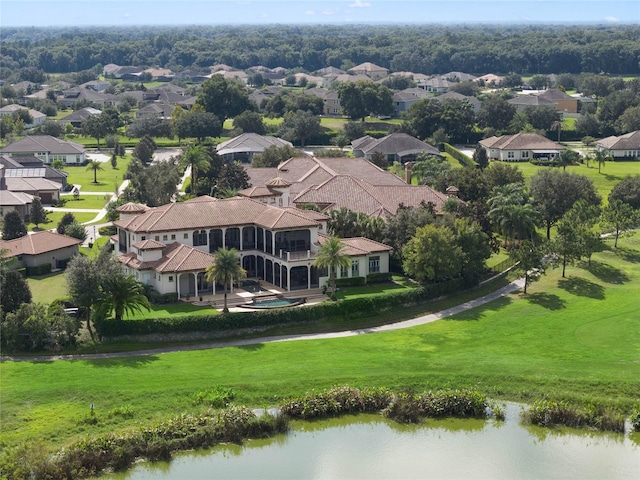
(408, 170)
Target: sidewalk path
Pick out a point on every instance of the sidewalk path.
(512, 287)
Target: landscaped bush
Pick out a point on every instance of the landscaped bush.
(440, 403)
(337, 401)
(351, 282)
(346, 308)
(549, 413)
(39, 270)
(217, 397)
(108, 230)
(379, 277)
(161, 299)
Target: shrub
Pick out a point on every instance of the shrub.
(548, 413)
(108, 230)
(337, 401)
(635, 418)
(379, 277)
(39, 270)
(217, 397)
(351, 282)
(464, 160)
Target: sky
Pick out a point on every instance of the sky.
(42, 13)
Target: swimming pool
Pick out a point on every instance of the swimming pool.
(274, 302)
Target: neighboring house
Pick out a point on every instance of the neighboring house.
(402, 100)
(38, 117)
(160, 74)
(371, 70)
(397, 147)
(31, 167)
(436, 85)
(193, 76)
(344, 77)
(564, 103)
(72, 96)
(48, 149)
(521, 147)
(490, 79)
(243, 147)
(126, 72)
(156, 110)
(473, 101)
(459, 77)
(77, 118)
(237, 75)
(220, 66)
(263, 95)
(623, 147)
(301, 78)
(334, 71)
(521, 102)
(96, 85)
(41, 248)
(332, 183)
(169, 247)
(13, 201)
(331, 101)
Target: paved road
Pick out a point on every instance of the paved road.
(512, 287)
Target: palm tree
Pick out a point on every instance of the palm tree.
(331, 255)
(122, 294)
(196, 158)
(557, 125)
(94, 165)
(224, 269)
(601, 157)
(510, 210)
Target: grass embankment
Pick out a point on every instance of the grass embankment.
(573, 339)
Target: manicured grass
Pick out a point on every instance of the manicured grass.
(86, 201)
(47, 288)
(375, 289)
(173, 310)
(108, 178)
(610, 174)
(53, 218)
(575, 338)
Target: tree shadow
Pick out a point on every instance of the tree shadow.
(131, 362)
(549, 301)
(627, 254)
(582, 287)
(251, 347)
(607, 273)
(478, 312)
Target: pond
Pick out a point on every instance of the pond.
(371, 447)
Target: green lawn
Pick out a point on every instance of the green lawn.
(47, 288)
(86, 201)
(55, 217)
(575, 338)
(108, 177)
(174, 310)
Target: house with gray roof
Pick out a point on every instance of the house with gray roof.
(13, 201)
(371, 70)
(37, 117)
(396, 147)
(436, 85)
(402, 100)
(77, 118)
(521, 102)
(243, 147)
(564, 103)
(521, 147)
(156, 110)
(622, 147)
(459, 77)
(48, 149)
(330, 100)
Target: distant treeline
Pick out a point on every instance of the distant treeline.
(428, 49)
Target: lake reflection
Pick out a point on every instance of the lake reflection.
(370, 447)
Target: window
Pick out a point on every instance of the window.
(355, 268)
(164, 237)
(323, 272)
(185, 236)
(157, 238)
(511, 155)
(170, 278)
(525, 154)
(143, 237)
(199, 238)
(374, 264)
(344, 272)
(173, 236)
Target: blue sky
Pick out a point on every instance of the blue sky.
(215, 12)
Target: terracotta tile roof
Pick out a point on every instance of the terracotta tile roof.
(358, 245)
(176, 257)
(521, 141)
(278, 182)
(148, 245)
(374, 200)
(132, 208)
(206, 213)
(37, 243)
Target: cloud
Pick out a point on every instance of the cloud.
(126, 15)
(611, 19)
(309, 12)
(360, 4)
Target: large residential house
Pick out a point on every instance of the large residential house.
(396, 147)
(243, 147)
(371, 70)
(48, 149)
(521, 102)
(563, 102)
(623, 147)
(77, 118)
(169, 247)
(331, 101)
(13, 201)
(521, 147)
(334, 183)
(37, 117)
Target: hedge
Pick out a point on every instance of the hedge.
(39, 270)
(465, 160)
(346, 308)
(351, 282)
(379, 277)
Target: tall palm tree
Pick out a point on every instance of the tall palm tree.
(331, 255)
(225, 269)
(510, 210)
(122, 294)
(94, 165)
(557, 125)
(196, 158)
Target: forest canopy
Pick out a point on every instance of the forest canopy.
(428, 49)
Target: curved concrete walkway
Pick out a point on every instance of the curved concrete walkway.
(422, 320)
